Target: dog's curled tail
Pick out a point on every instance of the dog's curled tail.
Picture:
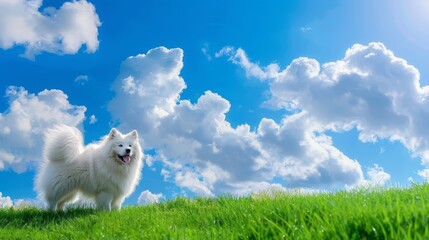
(62, 144)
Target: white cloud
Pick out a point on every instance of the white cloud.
(81, 79)
(424, 174)
(199, 148)
(23, 124)
(370, 89)
(59, 31)
(238, 56)
(194, 182)
(146, 197)
(306, 156)
(23, 203)
(206, 52)
(377, 176)
(262, 190)
(5, 202)
(92, 119)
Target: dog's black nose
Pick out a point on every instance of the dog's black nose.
(127, 150)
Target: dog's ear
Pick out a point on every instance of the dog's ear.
(135, 134)
(113, 133)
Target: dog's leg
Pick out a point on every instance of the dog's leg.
(104, 201)
(68, 198)
(51, 205)
(117, 203)
(51, 200)
(59, 193)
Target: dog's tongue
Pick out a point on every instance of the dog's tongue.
(127, 159)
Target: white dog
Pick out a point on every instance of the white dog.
(107, 171)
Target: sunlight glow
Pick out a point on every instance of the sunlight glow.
(412, 19)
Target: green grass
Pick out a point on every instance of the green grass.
(359, 214)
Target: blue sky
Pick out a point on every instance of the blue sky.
(228, 97)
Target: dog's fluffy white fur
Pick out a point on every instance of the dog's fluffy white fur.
(107, 171)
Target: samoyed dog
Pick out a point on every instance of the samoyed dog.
(107, 171)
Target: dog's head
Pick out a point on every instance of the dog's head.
(125, 148)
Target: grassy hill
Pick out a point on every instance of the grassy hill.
(360, 214)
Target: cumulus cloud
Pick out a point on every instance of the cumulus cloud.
(5, 202)
(424, 174)
(263, 190)
(59, 31)
(199, 148)
(305, 155)
(376, 177)
(370, 89)
(238, 56)
(146, 197)
(23, 124)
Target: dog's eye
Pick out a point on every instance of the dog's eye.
(120, 145)
(129, 145)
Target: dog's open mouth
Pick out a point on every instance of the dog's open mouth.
(125, 159)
